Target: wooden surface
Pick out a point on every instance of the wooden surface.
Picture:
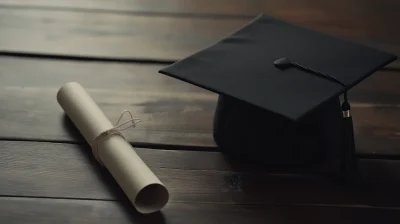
(235, 8)
(26, 210)
(114, 49)
(220, 180)
(173, 112)
(159, 37)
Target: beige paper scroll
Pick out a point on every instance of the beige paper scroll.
(139, 183)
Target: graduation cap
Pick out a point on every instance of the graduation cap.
(279, 87)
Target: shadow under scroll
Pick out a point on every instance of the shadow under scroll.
(71, 130)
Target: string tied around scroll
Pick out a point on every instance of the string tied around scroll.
(116, 130)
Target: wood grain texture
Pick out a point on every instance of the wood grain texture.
(173, 112)
(161, 37)
(219, 7)
(166, 106)
(46, 211)
(376, 129)
(32, 169)
(108, 35)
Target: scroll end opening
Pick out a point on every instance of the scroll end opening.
(151, 198)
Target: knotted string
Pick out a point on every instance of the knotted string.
(113, 131)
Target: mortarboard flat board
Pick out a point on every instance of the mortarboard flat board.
(279, 87)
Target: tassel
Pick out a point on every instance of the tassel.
(349, 165)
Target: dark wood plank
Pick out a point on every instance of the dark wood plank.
(32, 169)
(49, 211)
(160, 37)
(173, 112)
(108, 35)
(167, 106)
(380, 88)
(220, 7)
(377, 129)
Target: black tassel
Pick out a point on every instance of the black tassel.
(349, 165)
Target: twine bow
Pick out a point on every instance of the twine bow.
(113, 131)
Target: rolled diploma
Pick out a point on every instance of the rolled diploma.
(143, 188)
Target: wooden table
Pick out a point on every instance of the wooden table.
(114, 49)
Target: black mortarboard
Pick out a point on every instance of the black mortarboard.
(279, 87)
